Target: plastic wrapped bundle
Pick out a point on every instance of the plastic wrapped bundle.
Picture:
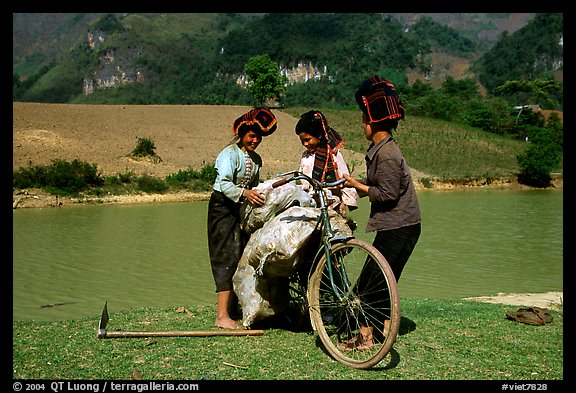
(273, 254)
(259, 297)
(277, 200)
(273, 249)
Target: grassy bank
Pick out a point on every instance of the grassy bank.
(446, 339)
(441, 149)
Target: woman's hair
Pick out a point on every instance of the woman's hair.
(385, 125)
(314, 123)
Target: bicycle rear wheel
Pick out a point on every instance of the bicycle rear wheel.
(364, 294)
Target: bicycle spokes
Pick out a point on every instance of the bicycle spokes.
(352, 292)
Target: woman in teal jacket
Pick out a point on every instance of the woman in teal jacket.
(237, 172)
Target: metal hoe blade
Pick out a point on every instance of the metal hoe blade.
(103, 321)
(103, 333)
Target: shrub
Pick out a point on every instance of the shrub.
(28, 177)
(151, 184)
(195, 180)
(144, 147)
(536, 164)
(540, 158)
(59, 178)
(208, 173)
(120, 178)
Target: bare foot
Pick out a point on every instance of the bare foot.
(228, 324)
(361, 342)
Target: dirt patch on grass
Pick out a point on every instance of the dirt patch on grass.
(550, 300)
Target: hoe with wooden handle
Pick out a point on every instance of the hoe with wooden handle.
(103, 333)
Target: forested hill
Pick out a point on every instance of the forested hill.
(199, 58)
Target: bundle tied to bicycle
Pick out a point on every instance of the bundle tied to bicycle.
(280, 235)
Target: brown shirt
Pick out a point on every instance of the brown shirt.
(393, 201)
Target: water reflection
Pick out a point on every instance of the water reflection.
(472, 243)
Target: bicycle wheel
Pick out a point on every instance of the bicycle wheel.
(364, 295)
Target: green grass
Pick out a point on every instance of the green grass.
(436, 147)
(440, 339)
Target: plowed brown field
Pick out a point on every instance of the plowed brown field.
(184, 135)
(105, 135)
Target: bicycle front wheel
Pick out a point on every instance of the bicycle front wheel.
(354, 304)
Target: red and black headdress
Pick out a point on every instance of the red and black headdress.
(314, 123)
(260, 120)
(378, 99)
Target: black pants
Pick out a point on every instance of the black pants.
(396, 245)
(226, 240)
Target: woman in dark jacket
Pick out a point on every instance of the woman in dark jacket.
(394, 209)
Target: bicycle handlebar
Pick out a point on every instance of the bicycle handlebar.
(299, 175)
(279, 183)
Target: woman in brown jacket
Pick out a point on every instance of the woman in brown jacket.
(394, 209)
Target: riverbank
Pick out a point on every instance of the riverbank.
(186, 136)
(36, 198)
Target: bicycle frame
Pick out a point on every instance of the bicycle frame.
(342, 307)
(328, 237)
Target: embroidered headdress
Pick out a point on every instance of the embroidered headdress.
(378, 99)
(260, 120)
(314, 123)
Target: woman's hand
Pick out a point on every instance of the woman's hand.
(255, 197)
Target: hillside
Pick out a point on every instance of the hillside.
(484, 27)
(174, 58)
(185, 136)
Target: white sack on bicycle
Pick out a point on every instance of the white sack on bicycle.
(273, 249)
(274, 252)
(276, 201)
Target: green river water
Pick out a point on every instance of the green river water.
(67, 262)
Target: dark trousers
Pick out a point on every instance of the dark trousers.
(396, 245)
(226, 240)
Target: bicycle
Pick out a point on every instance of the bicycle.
(349, 290)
